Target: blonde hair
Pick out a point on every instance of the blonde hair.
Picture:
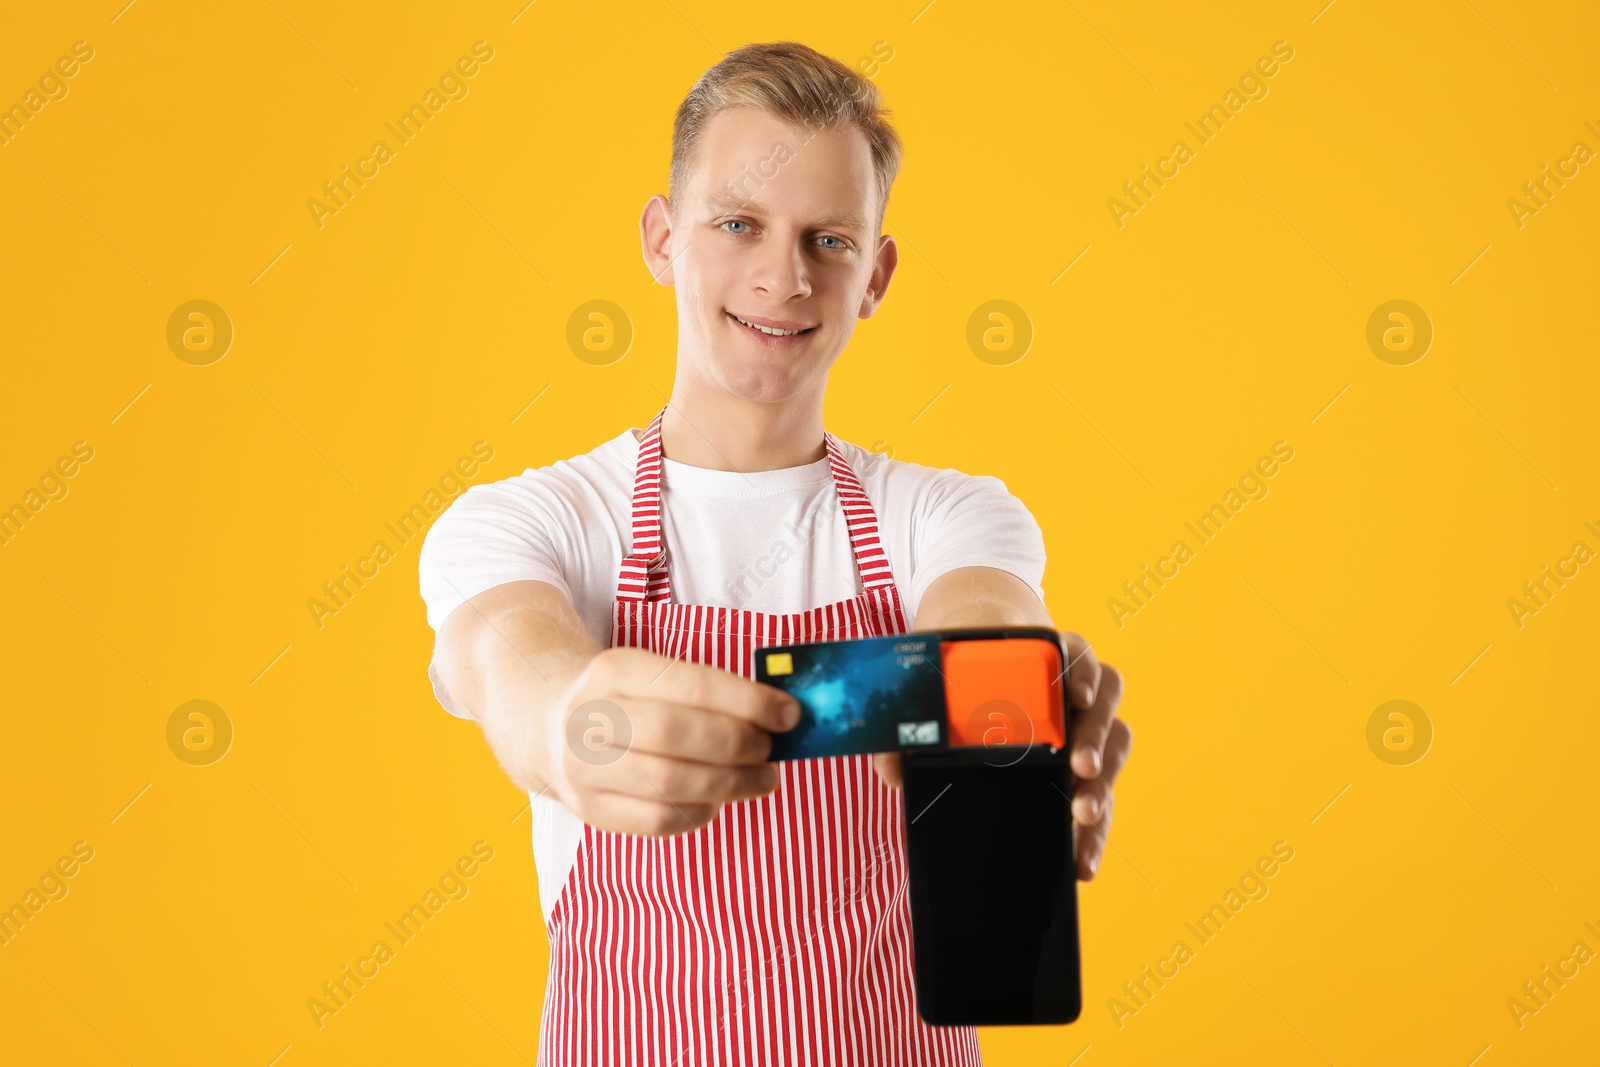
(794, 83)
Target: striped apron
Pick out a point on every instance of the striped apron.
(778, 933)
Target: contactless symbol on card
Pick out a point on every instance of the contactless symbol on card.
(868, 695)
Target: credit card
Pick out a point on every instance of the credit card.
(875, 694)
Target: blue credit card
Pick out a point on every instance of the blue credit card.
(873, 694)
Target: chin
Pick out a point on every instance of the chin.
(760, 385)
(763, 392)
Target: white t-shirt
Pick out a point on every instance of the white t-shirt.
(773, 542)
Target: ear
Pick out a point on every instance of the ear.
(655, 234)
(883, 266)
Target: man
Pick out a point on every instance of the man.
(598, 618)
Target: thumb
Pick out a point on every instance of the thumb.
(887, 764)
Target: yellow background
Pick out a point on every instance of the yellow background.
(1223, 317)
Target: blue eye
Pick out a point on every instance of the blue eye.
(734, 222)
(832, 238)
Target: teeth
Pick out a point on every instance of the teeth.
(767, 329)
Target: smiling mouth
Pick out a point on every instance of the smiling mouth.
(768, 330)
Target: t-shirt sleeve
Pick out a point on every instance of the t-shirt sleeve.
(975, 521)
(492, 534)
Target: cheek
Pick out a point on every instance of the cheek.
(701, 276)
(841, 306)
(689, 292)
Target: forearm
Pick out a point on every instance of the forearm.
(979, 596)
(507, 656)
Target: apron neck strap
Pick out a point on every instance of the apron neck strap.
(645, 574)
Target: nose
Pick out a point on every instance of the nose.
(781, 272)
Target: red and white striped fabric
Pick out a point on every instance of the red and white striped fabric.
(780, 932)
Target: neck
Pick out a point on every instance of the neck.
(709, 428)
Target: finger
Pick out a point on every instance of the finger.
(650, 818)
(1119, 743)
(1090, 726)
(700, 685)
(1092, 836)
(1083, 670)
(887, 764)
(695, 734)
(1090, 799)
(1093, 799)
(652, 777)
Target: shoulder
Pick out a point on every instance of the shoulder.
(899, 483)
(558, 523)
(605, 466)
(942, 519)
(578, 485)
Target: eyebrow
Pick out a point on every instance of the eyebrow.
(845, 220)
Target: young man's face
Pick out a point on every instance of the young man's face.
(777, 230)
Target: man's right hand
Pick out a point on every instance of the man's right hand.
(641, 743)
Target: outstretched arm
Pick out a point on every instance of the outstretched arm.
(988, 596)
(628, 740)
